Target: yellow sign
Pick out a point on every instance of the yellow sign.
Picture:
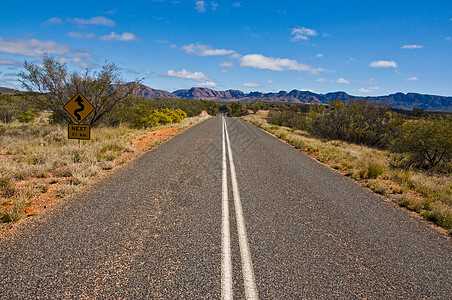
(79, 108)
(79, 132)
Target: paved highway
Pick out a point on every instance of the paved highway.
(225, 210)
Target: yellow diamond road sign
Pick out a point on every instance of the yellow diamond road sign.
(78, 107)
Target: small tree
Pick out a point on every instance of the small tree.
(359, 122)
(237, 109)
(428, 142)
(104, 89)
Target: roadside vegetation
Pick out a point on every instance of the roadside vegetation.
(39, 164)
(404, 157)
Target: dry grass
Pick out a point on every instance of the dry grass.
(430, 195)
(39, 164)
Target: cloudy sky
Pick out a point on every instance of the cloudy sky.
(360, 47)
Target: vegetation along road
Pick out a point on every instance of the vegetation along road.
(225, 210)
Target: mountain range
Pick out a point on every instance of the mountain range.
(398, 100)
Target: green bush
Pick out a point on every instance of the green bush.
(427, 142)
(26, 117)
(359, 122)
(143, 117)
(237, 109)
(135, 111)
(288, 118)
(8, 109)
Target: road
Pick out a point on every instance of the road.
(225, 210)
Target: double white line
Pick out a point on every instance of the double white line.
(226, 263)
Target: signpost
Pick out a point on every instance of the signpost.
(79, 108)
(79, 131)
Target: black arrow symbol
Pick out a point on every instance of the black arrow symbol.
(79, 101)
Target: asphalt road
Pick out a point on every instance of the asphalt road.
(225, 210)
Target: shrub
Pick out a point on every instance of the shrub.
(288, 118)
(143, 114)
(237, 109)
(427, 142)
(8, 109)
(26, 117)
(374, 169)
(359, 122)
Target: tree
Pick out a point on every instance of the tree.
(428, 142)
(237, 109)
(104, 89)
(359, 122)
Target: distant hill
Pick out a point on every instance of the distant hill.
(147, 92)
(398, 100)
(8, 91)
(208, 94)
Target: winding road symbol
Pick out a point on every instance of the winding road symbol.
(79, 101)
(79, 108)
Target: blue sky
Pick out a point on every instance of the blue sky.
(360, 47)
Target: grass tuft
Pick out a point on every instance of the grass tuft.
(374, 169)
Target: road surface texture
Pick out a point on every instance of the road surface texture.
(225, 210)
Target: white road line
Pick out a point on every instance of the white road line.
(226, 260)
(247, 265)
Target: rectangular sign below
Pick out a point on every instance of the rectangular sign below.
(79, 132)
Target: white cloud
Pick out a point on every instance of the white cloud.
(275, 64)
(214, 5)
(369, 90)
(203, 50)
(237, 4)
(224, 70)
(81, 35)
(320, 55)
(412, 78)
(94, 21)
(200, 6)
(10, 62)
(32, 47)
(9, 82)
(187, 75)
(448, 38)
(309, 90)
(54, 20)
(208, 84)
(227, 64)
(412, 47)
(302, 33)
(383, 64)
(321, 80)
(236, 56)
(342, 80)
(82, 63)
(250, 84)
(124, 37)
